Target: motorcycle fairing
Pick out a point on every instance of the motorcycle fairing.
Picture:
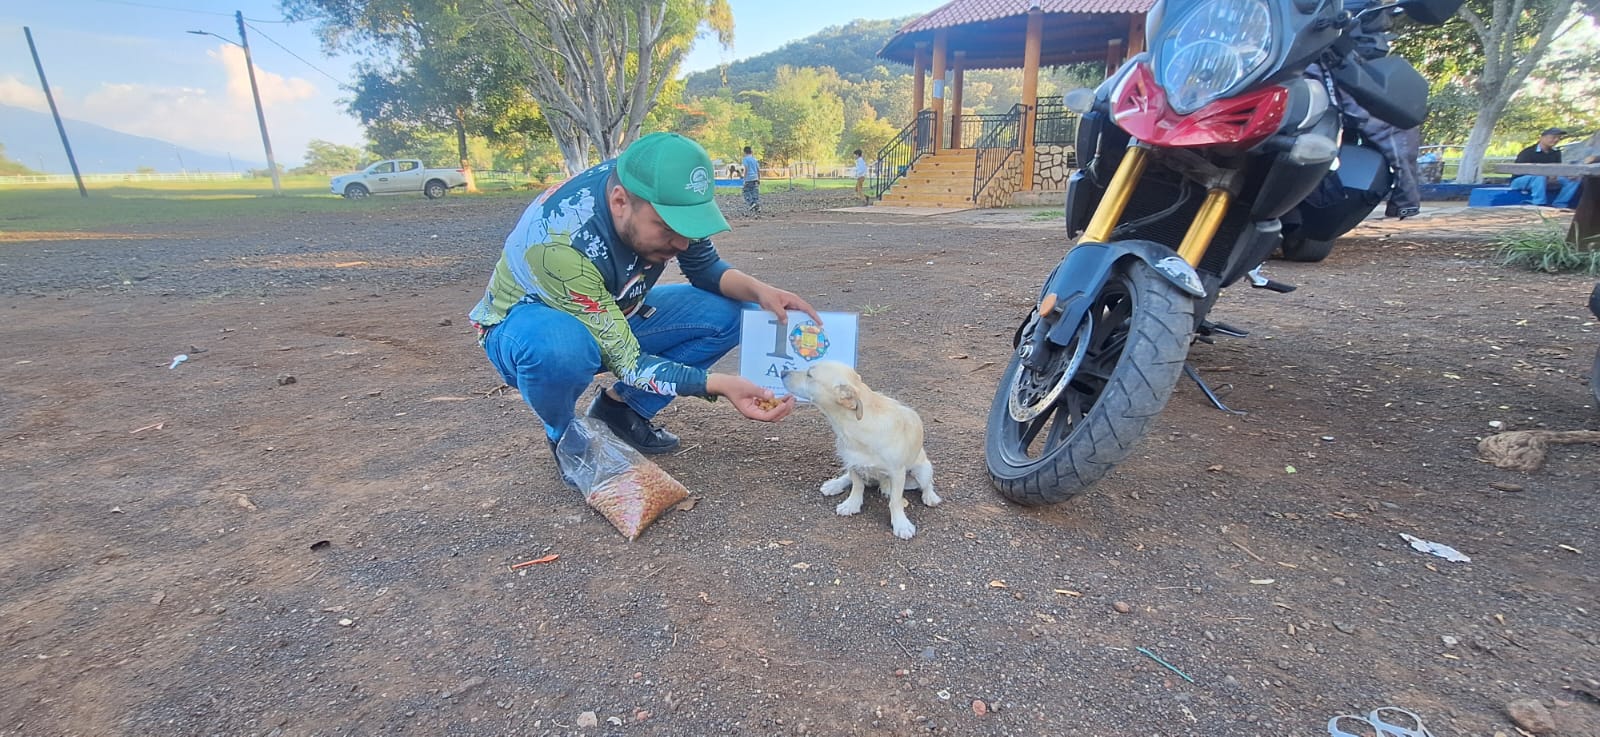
(1139, 106)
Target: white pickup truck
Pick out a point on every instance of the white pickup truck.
(398, 176)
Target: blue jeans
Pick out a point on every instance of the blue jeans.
(551, 358)
(1534, 185)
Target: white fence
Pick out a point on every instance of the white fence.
(193, 176)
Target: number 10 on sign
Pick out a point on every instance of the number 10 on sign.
(767, 348)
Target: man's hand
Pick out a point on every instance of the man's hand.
(780, 301)
(745, 288)
(752, 401)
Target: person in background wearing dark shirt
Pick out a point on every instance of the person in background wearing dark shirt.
(1539, 187)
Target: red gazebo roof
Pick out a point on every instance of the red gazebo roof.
(993, 33)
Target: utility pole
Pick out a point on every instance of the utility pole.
(261, 116)
(61, 129)
(255, 92)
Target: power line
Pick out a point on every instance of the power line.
(297, 56)
(181, 10)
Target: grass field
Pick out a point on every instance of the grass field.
(44, 208)
(49, 208)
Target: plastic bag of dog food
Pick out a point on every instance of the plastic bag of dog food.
(631, 491)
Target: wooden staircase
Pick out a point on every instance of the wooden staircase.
(942, 179)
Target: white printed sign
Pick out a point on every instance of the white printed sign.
(767, 348)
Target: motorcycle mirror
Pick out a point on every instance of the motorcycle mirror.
(1080, 100)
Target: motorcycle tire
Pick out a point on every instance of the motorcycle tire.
(1116, 376)
(1307, 250)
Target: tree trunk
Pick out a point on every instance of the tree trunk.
(1507, 62)
(572, 141)
(461, 148)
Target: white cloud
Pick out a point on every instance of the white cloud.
(217, 120)
(16, 92)
(275, 88)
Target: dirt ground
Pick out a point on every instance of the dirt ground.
(307, 527)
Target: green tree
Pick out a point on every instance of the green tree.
(870, 135)
(806, 113)
(323, 157)
(724, 127)
(428, 66)
(597, 67)
(1492, 47)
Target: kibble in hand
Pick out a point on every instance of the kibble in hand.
(767, 403)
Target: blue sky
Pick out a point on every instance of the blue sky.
(128, 65)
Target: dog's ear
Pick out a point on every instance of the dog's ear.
(847, 398)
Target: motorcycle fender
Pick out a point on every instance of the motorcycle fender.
(1084, 271)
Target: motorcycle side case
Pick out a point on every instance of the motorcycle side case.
(1347, 195)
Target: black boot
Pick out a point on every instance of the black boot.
(630, 427)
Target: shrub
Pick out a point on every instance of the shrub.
(1545, 248)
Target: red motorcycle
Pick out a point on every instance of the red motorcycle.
(1197, 152)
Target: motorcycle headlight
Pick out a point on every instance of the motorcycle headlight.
(1210, 49)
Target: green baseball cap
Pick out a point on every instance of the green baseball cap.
(673, 173)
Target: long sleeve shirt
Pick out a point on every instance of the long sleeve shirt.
(565, 253)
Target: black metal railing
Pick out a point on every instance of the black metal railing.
(1054, 124)
(975, 127)
(897, 156)
(999, 140)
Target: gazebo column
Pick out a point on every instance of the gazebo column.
(919, 71)
(1030, 91)
(1136, 38)
(1114, 55)
(955, 100)
(941, 42)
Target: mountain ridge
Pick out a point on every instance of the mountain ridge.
(31, 139)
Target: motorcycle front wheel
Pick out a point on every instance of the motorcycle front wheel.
(1053, 433)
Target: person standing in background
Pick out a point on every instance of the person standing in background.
(752, 181)
(861, 174)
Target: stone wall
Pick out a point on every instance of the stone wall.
(1051, 167)
(998, 192)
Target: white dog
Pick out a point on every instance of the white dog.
(878, 439)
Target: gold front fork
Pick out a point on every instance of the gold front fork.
(1120, 191)
(1204, 227)
(1117, 195)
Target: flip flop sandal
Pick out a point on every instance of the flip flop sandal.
(1390, 721)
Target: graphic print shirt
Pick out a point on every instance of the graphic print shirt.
(565, 253)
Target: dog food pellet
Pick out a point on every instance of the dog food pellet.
(633, 499)
(766, 403)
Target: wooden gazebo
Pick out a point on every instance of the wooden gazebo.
(1010, 34)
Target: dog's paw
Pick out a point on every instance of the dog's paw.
(903, 528)
(837, 486)
(848, 507)
(929, 498)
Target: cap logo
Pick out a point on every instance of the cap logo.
(699, 180)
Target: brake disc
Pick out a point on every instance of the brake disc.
(1033, 393)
